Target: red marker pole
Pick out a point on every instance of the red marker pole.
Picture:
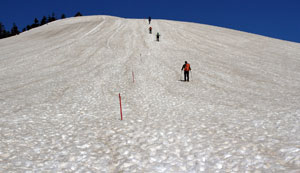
(120, 106)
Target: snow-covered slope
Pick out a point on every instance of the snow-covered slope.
(59, 103)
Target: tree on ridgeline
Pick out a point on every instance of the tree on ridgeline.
(78, 14)
(2, 30)
(36, 23)
(14, 30)
(44, 20)
(6, 34)
(51, 18)
(28, 27)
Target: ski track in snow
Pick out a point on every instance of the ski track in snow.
(59, 106)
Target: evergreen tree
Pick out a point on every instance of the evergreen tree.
(24, 29)
(3, 32)
(78, 14)
(35, 24)
(6, 34)
(28, 27)
(49, 19)
(44, 20)
(2, 29)
(63, 16)
(14, 30)
(53, 17)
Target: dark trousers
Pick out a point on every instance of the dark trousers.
(186, 76)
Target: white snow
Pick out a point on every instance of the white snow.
(59, 103)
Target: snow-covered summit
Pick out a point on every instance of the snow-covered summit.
(59, 104)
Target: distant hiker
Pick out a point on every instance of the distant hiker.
(149, 19)
(186, 67)
(150, 30)
(157, 36)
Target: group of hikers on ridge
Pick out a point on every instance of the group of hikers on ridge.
(150, 29)
(186, 66)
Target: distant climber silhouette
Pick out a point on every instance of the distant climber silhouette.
(157, 36)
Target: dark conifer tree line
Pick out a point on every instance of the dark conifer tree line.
(36, 23)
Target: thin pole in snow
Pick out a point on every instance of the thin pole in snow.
(133, 76)
(120, 106)
(180, 75)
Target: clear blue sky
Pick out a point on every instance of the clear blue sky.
(273, 18)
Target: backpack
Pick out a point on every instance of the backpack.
(187, 67)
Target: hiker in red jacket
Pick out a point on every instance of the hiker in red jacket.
(187, 68)
(150, 30)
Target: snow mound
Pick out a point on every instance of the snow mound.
(59, 104)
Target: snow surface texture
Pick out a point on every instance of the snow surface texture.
(59, 103)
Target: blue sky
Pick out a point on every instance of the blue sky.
(274, 18)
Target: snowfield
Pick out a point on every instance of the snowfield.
(59, 99)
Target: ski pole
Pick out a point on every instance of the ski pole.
(180, 75)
